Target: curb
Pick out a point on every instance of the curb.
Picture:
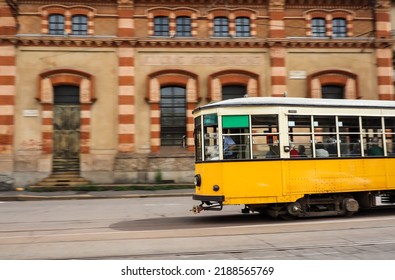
(24, 197)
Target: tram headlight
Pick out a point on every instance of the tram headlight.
(197, 180)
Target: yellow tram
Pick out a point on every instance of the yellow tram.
(295, 157)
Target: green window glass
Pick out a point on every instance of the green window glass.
(235, 121)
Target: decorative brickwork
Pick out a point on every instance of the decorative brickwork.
(50, 79)
(68, 12)
(172, 14)
(160, 79)
(126, 74)
(333, 77)
(7, 98)
(232, 77)
(278, 71)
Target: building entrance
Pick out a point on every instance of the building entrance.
(66, 142)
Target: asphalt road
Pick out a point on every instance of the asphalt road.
(164, 228)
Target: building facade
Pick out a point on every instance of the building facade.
(107, 88)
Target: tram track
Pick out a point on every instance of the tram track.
(261, 253)
(228, 235)
(64, 232)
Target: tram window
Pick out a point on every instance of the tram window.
(302, 145)
(370, 124)
(324, 124)
(348, 124)
(299, 123)
(325, 145)
(265, 146)
(235, 135)
(261, 123)
(236, 143)
(350, 136)
(265, 142)
(390, 135)
(198, 139)
(235, 121)
(210, 133)
(350, 145)
(373, 146)
(299, 129)
(372, 136)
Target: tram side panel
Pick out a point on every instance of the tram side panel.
(338, 176)
(244, 182)
(284, 181)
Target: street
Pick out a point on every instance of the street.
(164, 228)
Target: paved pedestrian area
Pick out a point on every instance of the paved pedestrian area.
(24, 195)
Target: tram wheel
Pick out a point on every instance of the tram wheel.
(351, 206)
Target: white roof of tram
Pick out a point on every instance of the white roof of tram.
(298, 102)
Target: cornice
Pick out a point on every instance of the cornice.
(360, 4)
(206, 3)
(70, 2)
(351, 43)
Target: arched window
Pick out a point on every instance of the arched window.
(332, 91)
(56, 24)
(243, 28)
(221, 27)
(339, 28)
(161, 26)
(318, 28)
(172, 115)
(183, 26)
(333, 83)
(229, 92)
(79, 25)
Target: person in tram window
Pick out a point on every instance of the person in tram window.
(331, 147)
(302, 151)
(274, 152)
(356, 150)
(229, 147)
(320, 150)
(375, 149)
(294, 153)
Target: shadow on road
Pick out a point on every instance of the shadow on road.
(166, 223)
(190, 222)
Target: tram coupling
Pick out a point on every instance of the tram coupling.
(212, 207)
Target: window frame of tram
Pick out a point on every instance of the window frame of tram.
(342, 136)
(257, 136)
(265, 136)
(236, 128)
(210, 135)
(173, 118)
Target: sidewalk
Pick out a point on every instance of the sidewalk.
(24, 195)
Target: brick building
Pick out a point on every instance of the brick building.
(106, 88)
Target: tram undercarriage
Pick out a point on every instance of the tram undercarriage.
(344, 204)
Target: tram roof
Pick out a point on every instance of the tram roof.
(298, 102)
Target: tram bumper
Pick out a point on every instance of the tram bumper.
(209, 202)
